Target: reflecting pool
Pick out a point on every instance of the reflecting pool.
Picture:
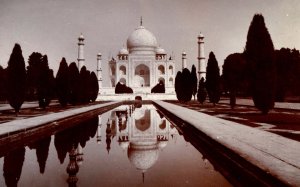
(127, 146)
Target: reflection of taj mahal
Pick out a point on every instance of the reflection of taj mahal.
(143, 132)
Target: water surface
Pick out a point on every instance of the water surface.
(124, 147)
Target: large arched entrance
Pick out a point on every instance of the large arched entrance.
(141, 76)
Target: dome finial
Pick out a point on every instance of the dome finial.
(141, 21)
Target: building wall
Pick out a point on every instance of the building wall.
(117, 97)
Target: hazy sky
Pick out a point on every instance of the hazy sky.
(52, 26)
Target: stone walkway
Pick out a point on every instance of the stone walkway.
(271, 153)
(31, 104)
(278, 105)
(22, 125)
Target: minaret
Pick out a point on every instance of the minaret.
(99, 70)
(201, 57)
(80, 52)
(183, 60)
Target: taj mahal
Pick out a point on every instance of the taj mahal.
(141, 65)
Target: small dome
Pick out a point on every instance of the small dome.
(99, 54)
(123, 51)
(81, 37)
(160, 51)
(200, 35)
(141, 40)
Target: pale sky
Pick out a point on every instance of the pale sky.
(52, 26)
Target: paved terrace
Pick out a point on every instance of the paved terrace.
(26, 104)
(22, 125)
(278, 105)
(272, 153)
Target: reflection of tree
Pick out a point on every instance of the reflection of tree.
(81, 133)
(12, 168)
(62, 144)
(42, 149)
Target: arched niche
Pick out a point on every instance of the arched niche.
(141, 76)
(171, 70)
(161, 70)
(122, 70)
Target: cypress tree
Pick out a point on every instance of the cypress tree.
(83, 87)
(213, 79)
(33, 74)
(187, 87)
(201, 94)
(16, 78)
(95, 87)
(73, 83)
(178, 86)
(45, 83)
(259, 52)
(234, 75)
(62, 82)
(194, 80)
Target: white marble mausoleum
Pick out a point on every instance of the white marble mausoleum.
(140, 65)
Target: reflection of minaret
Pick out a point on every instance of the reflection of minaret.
(99, 129)
(108, 135)
(72, 168)
(80, 52)
(184, 60)
(143, 177)
(201, 57)
(79, 156)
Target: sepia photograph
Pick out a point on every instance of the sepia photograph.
(149, 93)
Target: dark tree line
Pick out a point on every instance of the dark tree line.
(288, 71)
(254, 71)
(74, 87)
(183, 85)
(262, 72)
(38, 82)
(186, 86)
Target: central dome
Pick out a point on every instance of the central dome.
(141, 41)
(143, 157)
